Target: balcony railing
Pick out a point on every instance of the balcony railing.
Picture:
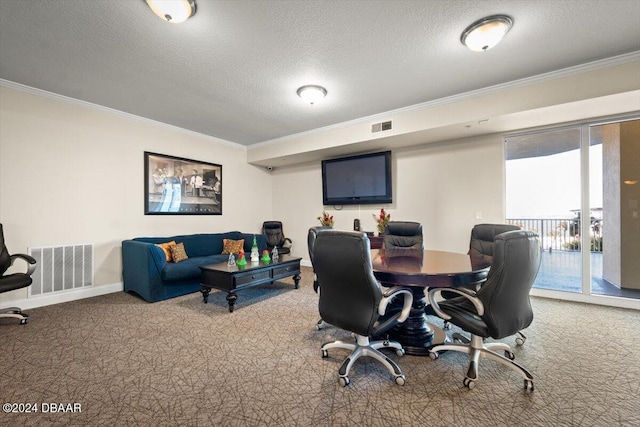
(561, 234)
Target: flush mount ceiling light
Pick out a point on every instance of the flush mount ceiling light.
(484, 34)
(174, 11)
(312, 93)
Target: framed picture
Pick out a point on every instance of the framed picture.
(178, 186)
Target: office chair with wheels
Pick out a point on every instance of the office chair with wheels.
(11, 282)
(275, 237)
(352, 299)
(481, 246)
(311, 240)
(499, 309)
(403, 234)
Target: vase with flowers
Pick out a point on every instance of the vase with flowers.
(325, 219)
(382, 220)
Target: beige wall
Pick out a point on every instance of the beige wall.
(442, 185)
(74, 174)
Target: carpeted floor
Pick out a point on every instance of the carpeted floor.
(181, 362)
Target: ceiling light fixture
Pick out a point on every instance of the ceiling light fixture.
(174, 11)
(311, 93)
(484, 34)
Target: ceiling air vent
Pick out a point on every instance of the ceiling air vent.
(382, 126)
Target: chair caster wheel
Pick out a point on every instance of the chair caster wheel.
(520, 341)
(446, 326)
(469, 383)
(24, 321)
(434, 355)
(400, 352)
(528, 385)
(325, 354)
(509, 355)
(344, 381)
(400, 379)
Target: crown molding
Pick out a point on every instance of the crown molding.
(84, 104)
(564, 72)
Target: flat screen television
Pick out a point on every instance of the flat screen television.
(357, 180)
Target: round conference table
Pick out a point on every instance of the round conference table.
(419, 270)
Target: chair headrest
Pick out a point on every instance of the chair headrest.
(404, 228)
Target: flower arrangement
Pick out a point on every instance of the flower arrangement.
(326, 219)
(382, 219)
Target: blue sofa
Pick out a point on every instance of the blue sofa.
(146, 272)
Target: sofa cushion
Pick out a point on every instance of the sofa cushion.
(189, 268)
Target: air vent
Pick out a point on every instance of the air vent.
(380, 127)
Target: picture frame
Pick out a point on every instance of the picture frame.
(180, 186)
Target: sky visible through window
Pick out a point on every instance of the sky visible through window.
(549, 186)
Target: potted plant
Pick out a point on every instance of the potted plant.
(325, 219)
(382, 220)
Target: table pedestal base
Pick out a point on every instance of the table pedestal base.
(415, 334)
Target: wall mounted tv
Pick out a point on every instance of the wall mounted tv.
(357, 180)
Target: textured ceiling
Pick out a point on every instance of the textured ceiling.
(232, 70)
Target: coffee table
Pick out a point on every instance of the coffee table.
(234, 278)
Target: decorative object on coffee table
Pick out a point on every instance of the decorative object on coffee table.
(242, 261)
(255, 254)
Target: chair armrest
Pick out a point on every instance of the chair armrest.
(467, 293)
(389, 295)
(31, 261)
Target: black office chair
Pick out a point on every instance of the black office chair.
(276, 237)
(403, 234)
(482, 240)
(352, 299)
(11, 282)
(311, 240)
(500, 308)
(481, 247)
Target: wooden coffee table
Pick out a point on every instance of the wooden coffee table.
(233, 278)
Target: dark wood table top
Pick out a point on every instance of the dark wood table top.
(427, 268)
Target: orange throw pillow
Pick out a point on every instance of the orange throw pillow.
(166, 247)
(232, 246)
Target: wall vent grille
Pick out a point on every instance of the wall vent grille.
(382, 126)
(61, 268)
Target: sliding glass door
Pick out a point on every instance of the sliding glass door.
(614, 165)
(578, 188)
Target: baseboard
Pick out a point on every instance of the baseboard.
(305, 263)
(64, 296)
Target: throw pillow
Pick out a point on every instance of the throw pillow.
(178, 253)
(232, 246)
(166, 247)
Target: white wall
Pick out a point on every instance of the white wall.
(74, 174)
(441, 185)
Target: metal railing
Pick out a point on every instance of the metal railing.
(561, 234)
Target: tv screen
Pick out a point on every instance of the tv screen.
(355, 180)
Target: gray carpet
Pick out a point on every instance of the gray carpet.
(181, 362)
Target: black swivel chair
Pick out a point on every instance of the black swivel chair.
(481, 247)
(403, 234)
(499, 309)
(11, 282)
(311, 240)
(275, 237)
(352, 299)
